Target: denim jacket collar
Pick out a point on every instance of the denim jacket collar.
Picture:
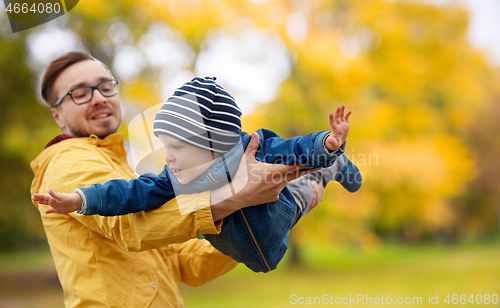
(219, 174)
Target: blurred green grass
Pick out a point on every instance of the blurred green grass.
(26, 261)
(390, 270)
(29, 279)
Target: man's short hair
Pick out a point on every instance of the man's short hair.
(55, 69)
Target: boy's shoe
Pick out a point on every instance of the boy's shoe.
(343, 171)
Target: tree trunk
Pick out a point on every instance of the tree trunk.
(498, 215)
(294, 251)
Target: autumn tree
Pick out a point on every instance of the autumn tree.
(406, 70)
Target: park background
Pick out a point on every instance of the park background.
(426, 112)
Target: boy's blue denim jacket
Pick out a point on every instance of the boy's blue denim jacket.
(257, 235)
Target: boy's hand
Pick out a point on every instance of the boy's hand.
(61, 203)
(340, 127)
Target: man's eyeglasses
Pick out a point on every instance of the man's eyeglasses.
(82, 95)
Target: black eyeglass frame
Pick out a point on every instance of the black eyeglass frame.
(93, 88)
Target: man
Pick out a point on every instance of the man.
(136, 260)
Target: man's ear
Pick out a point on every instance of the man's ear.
(58, 118)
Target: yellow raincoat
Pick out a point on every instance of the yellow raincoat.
(137, 260)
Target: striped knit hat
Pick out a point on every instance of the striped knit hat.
(201, 113)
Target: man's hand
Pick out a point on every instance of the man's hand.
(61, 203)
(340, 127)
(254, 183)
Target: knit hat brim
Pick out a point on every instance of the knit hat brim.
(202, 114)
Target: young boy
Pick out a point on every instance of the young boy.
(200, 128)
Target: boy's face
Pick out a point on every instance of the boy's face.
(184, 160)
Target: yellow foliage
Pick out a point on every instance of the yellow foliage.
(438, 164)
(405, 69)
(141, 93)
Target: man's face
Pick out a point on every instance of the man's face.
(100, 116)
(184, 160)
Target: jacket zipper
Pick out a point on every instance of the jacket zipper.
(245, 220)
(255, 240)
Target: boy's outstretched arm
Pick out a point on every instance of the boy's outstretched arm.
(255, 183)
(61, 203)
(318, 149)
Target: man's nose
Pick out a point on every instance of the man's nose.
(97, 98)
